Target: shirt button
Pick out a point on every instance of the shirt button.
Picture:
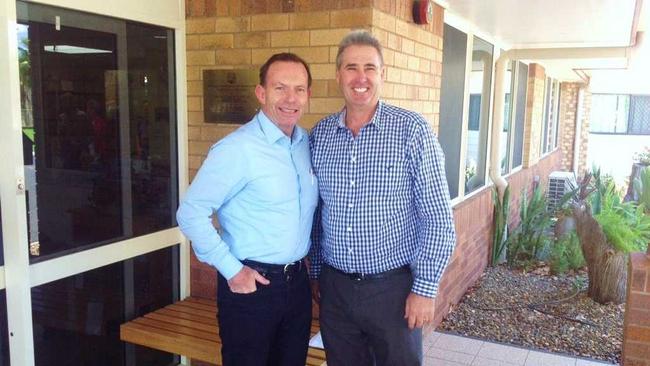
(349, 205)
(350, 250)
(354, 160)
(349, 229)
(352, 183)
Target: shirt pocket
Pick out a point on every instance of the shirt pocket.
(395, 175)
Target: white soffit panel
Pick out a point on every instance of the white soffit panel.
(551, 23)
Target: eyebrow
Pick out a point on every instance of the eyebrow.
(356, 64)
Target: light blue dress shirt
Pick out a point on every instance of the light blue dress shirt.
(263, 190)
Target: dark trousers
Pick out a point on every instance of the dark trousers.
(268, 327)
(362, 321)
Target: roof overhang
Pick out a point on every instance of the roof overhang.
(568, 31)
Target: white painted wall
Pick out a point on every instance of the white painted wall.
(633, 80)
(614, 153)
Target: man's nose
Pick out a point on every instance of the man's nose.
(291, 95)
(361, 74)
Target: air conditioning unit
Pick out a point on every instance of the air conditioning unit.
(559, 183)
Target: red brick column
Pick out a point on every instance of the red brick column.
(636, 330)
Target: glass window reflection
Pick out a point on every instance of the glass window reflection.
(99, 128)
(479, 102)
(82, 314)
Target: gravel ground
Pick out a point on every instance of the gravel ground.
(506, 306)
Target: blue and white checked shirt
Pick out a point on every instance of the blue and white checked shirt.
(384, 198)
(261, 185)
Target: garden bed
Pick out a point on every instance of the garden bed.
(537, 310)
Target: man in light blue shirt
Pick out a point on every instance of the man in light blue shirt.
(259, 182)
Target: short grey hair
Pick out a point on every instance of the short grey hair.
(359, 37)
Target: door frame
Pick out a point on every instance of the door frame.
(17, 276)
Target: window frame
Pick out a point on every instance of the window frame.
(470, 32)
(17, 275)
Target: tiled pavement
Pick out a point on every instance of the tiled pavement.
(449, 350)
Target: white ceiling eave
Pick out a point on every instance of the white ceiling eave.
(569, 38)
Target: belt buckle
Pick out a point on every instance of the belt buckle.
(358, 276)
(288, 269)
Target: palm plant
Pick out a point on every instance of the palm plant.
(531, 236)
(608, 229)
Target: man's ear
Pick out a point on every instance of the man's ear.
(383, 73)
(260, 93)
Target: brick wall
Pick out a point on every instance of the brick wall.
(474, 233)
(636, 332)
(473, 219)
(566, 140)
(584, 132)
(534, 115)
(243, 34)
(568, 115)
(231, 34)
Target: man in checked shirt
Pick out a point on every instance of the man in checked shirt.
(384, 231)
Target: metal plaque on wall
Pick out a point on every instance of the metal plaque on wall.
(229, 95)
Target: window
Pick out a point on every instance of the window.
(99, 128)
(98, 113)
(520, 114)
(639, 118)
(506, 133)
(609, 113)
(452, 93)
(620, 114)
(550, 118)
(512, 138)
(82, 314)
(480, 83)
(465, 96)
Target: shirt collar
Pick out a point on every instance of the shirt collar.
(376, 119)
(273, 133)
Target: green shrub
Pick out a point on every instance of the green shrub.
(530, 237)
(567, 254)
(625, 224)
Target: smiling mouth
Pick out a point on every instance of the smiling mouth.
(360, 90)
(287, 110)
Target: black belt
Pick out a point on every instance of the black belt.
(266, 269)
(372, 276)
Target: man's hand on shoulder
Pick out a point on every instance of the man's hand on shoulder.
(419, 310)
(245, 281)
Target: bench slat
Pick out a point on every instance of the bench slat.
(199, 349)
(178, 329)
(211, 328)
(189, 328)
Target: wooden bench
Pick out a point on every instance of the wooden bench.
(189, 328)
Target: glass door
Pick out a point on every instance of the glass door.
(97, 243)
